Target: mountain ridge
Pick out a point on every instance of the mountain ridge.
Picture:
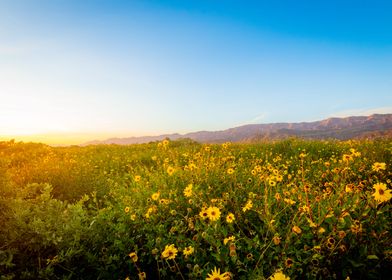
(352, 127)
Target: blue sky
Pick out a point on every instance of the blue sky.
(126, 68)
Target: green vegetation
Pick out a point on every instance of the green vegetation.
(182, 210)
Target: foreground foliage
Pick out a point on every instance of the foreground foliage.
(181, 210)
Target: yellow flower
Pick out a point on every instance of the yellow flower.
(142, 275)
(188, 190)
(355, 153)
(155, 196)
(137, 178)
(203, 214)
(164, 201)
(188, 251)
(213, 213)
(248, 206)
(192, 166)
(230, 171)
(165, 142)
(170, 170)
(170, 252)
(272, 183)
(216, 275)
(276, 240)
(311, 223)
(296, 229)
(279, 276)
(381, 193)
(230, 218)
(226, 240)
(133, 256)
(347, 158)
(289, 201)
(349, 188)
(304, 209)
(321, 230)
(252, 195)
(150, 210)
(126, 209)
(289, 262)
(377, 166)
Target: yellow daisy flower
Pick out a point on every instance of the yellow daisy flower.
(296, 229)
(216, 275)
(213, 213)
(188, 250)
(188, 190)
(230, 218)
(276, 240)
(377, 166)
(170, 252)
(133, 256)
(347, 157)
(203, 214)
(142, 275)
(155, 196)
(137, 178)
(165, 142)
(272, 183)
(170, 170)
(248, 206)
(381, 193)
(227, 239)
(279, 276)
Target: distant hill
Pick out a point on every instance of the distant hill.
(377, 125)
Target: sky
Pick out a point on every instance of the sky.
(77, 70)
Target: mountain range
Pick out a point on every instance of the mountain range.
(377, 125)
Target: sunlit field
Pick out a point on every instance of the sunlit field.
(290, 209)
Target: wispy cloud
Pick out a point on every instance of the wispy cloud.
(362, 112)
(259, 118)
(256, 120)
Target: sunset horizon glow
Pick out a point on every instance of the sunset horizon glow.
(75, 71)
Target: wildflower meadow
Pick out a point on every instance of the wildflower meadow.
(289, 209)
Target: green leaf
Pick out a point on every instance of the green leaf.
(355, 264)
(372, 257)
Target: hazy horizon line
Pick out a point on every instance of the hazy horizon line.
(78, 138)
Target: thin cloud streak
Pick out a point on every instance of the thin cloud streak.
(361, 112)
